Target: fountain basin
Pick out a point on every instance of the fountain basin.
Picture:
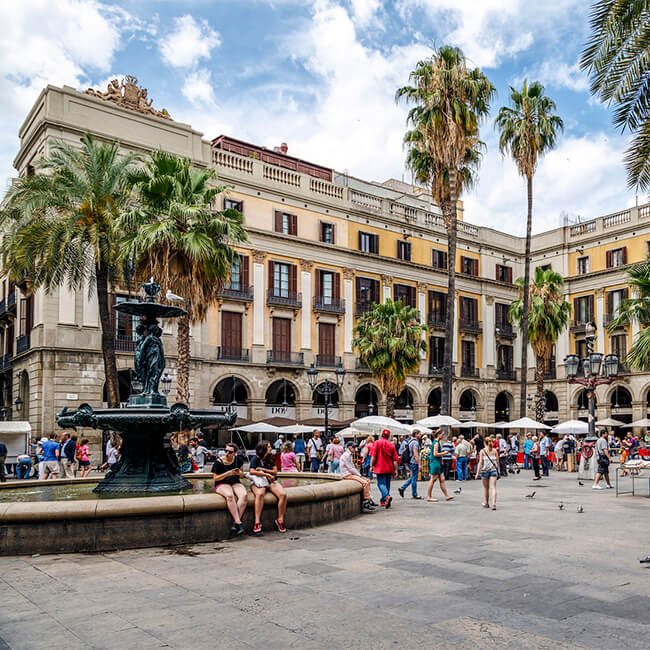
(108, 524)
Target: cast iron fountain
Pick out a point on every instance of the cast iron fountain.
(148, 464)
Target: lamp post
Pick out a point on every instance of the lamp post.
(326, 389)
(166, 380)
(596, 373)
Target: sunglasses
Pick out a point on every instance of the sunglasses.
(230, 451)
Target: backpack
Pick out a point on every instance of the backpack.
(405, 458)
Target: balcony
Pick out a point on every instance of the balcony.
(578, 326)
(435, 370)
(329, 304)
(506, 374)
(608, 319)
(471, 326)
(22, 343)
(232, 354)
(6, 361)
(504, 330)
(290, 299)
(470, 372)
(327, 360)
(362, 365)
(436, 320)
(362, 307)
(124, 343)
(243, 292)
(282, 358)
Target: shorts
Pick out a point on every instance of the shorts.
(50, 467)
(491, 473)
(603, 468)
(300, 458)
(84, 463)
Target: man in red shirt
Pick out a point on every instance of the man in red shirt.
(384, 465)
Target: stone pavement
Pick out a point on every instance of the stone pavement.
(420, 575)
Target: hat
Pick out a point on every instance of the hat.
(385, 433)
(43, 439)
(350, 443)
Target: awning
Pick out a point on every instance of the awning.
(14, 426)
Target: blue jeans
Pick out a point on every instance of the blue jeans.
(544, 465)
(334, 466)
(461, 468)
(526, 461)
(366, 465)
(413, 479)
(383, 483)
(314, 464)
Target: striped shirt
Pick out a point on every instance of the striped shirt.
(447, 450)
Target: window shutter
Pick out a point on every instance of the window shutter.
(337, 285)
(474, 267)
(430, 301)
(626, 293)
(412, 297)
(445, 262)
(333, 233)
(293, 224)
(609, 259)
(319, 282)
(293, 278)
(610, 302)
(271, 275)
(359, 244)
(509, 275)
(590, 302)
(498, 271)
(358, 289)
(278, 221)
(624, 254)
(576, 312)
(244, 270)
(375, 291)
(374, 244)
(321, 229)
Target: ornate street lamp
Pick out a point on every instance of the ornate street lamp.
(18, 404)
(166, 380)
(595, 373)
(326, 389)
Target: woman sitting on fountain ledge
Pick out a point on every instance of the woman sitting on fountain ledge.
(262, 471)
(227, 472)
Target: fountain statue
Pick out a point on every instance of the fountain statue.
(148, 463)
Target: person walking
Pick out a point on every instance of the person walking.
(604, 458)
(528, 445)
(334, 455)
(463, 450)
(410, 458)
(487, 469)
(366, 455)
(545, 446)
(383, 463)
(84, 458)
(68, 455)
(448, 450)
(315, 450)
(51, 453)
(350, 473)
(570, 452)
(3, 457)
(435, 467)
(227, 472)
(559, 454)
(502, 450)
(534, 456)
(199, 454)
(299, 450)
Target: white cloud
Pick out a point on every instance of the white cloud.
(561, 74)
(198, 88)
(190, 42)
(364, 11)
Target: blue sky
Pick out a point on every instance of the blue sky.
(321, 76)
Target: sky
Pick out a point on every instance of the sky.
(321, 75)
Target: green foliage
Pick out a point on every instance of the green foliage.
(617, 57)
(548, 312)
(389, 340)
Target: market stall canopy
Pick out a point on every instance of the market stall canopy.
(297, 428)
(436, 421)
(319, 423)
(643, 423)
(472, 424)
(571, 426)
(14, 426)
(610, 422)
(377, 423)
(258, 427)
(351, 432)
(522, 423)
(420, 428)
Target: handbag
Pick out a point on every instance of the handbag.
(495, 467)
(258, 481)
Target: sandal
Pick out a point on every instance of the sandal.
(432, 500)
(448, 498)
(494, 507)
(257, 529)
(485, 505)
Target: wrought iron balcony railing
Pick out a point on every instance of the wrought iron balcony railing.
(289, 299)
(282, 358)
(329, 304)
(232, 354)
(238, 292)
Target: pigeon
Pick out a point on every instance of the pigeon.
(645, 560)
(580, 509)
(531, 495)
(458, 491)
(172, 297)
(561, 506)
(580, 483)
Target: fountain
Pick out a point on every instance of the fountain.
(148, 464)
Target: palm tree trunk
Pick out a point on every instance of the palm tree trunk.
(449, 213)
(539, 380)
(183, 382)
(390, 405)
(108, 336)
(524, 320)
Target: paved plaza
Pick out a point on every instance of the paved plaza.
(421, 575)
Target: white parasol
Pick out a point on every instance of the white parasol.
(577, 427)
(377, 423)
(471, 424)
(436, 421)
(297, 428)
(610, 422)
(258, 427)
(643, 423)
(522, 423)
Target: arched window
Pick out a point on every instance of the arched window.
(467, 401)
(551, 401)
(281, 393)
(621, 398)
(502, 407)
(583, 400)
(318, 399)
(366, 401)
(230, 391)
(433, 402)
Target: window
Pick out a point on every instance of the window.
(326, 344)
(581, 349)
(281, 328)
(504, 358)
(230, 204)
(368, 243)
(501, 315)
(235, 273)
(367, 291)
(437, 351)
(328, 286)
(124, 323)
(26, 315)
(231, 331)
(583, 265)
(405, 293)
(545, 267)
(583, 310)
(619, 346)
(468, 265)
(286, 223)
(327, 231)
(504, 273)
(437, 307)
(439, 259)
(614, 299)
(616, 257)
(283, 280)
(468, 309)
(404, 251)
(467, 355)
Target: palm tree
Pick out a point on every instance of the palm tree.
(616, 57)
(179, 239)
(59, 227)
(548, 315)
(389, 340)
(637, 310)
(448, 101)
(528, 129)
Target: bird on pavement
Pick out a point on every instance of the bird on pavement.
(531, 495)
(580, 483)
(458, 491)
(561, 506)
(645, 560)
(172, 297)
(580, 509)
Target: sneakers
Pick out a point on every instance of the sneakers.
(417, 496)
(382, 503)
(257, 529)
(597, 487)
(239, 530)
(401, 492)
(389, 500)
(280, 525)
(610, 487)
(368, 506)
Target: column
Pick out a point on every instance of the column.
(599, 345)
(306, 290)
(348, 318)
(635, 324)
(258, 297)
(387, 281)
(489, 348)
(456, 341)
(422, 308)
